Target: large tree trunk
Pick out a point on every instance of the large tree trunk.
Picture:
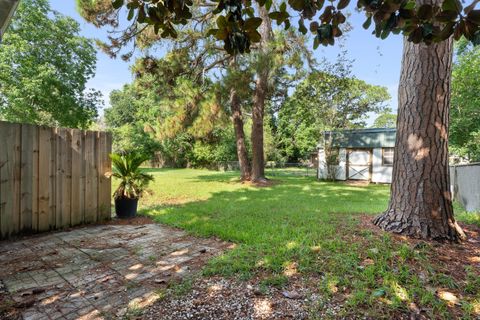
(258, 161)
(239, 135)
(261, 87)
(420, 202)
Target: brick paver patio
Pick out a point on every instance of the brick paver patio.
(105, 271)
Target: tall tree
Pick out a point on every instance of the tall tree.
(260, 96)
(166, 105)
(238, 123)
(207, 58)
(421, 202)
(44, 67)
(330, 99)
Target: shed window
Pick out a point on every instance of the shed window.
(387, 157)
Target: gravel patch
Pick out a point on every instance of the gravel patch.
(219, 298)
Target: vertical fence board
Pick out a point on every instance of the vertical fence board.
(44, 154)
(104, 185)
(67, 180)
(78, 178)
(17, 162)
(108, 190)
(10, 178)
(35, 175)
(27, 159)
(90, 178)
(100, 142)
(62, 178)
(52, 178)
(59, 138)
(5, 182)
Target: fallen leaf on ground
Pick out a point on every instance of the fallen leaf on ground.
(292, 295)
(449, 297)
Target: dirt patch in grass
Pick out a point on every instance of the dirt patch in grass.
(452, 256)
(228, 298)
(262, 183)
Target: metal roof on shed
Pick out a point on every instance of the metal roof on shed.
(362, 138)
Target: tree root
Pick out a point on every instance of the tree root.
(398, 223)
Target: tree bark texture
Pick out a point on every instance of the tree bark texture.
(260, 95)
(421, 202)
(242, 154)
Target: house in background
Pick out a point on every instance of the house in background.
(360, 154)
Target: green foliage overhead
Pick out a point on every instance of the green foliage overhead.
(465, 103)
(44, 68)
(237, 25)
(133, 181)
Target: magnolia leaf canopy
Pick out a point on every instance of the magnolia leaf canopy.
(237, 24)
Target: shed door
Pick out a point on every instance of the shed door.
(359, 163)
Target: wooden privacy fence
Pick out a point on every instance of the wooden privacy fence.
(51, 178)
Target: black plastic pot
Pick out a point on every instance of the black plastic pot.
(126, 208)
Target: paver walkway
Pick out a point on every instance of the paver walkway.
(104, 271)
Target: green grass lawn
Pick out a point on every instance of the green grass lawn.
(313, 226)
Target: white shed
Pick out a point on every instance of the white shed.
(363, 154)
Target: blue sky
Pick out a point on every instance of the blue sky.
(376, 61)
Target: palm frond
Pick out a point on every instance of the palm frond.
(126, 168)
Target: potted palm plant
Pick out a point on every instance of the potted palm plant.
(133, 182)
